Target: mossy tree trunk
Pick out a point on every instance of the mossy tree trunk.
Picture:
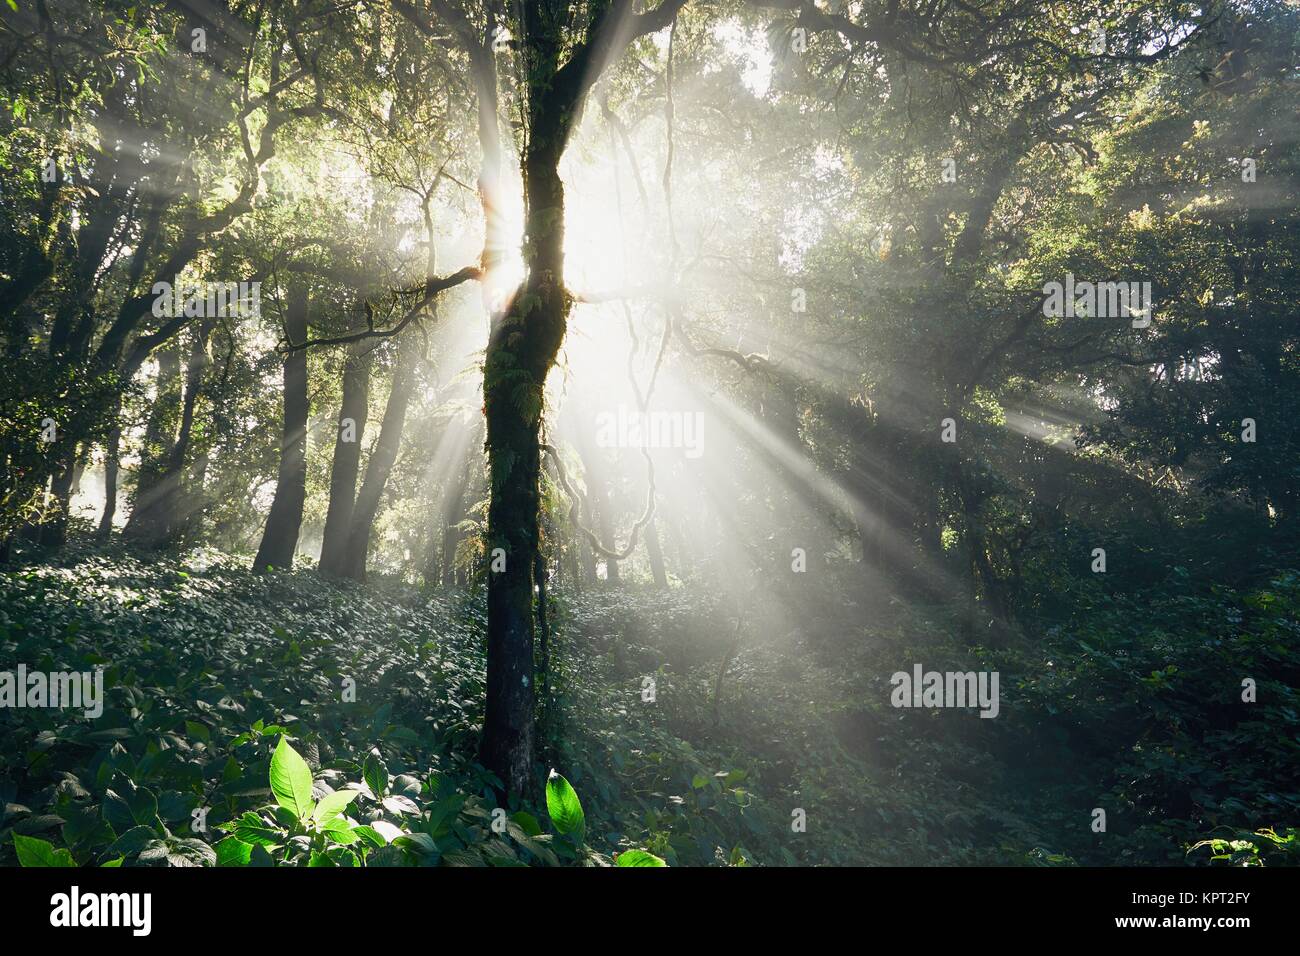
(521, 350)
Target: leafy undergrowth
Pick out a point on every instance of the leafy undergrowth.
(282, 720)
(209, 670)
(1134, 706)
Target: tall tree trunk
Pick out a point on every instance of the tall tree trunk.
(381, 459)
(112, 468)
(450, 539)
(521, 349)
(656, 554)
(355, 408)
(159, 436)
(454, 510)
(432, 552)
(53, 532)
(157, 519)
(280, 537)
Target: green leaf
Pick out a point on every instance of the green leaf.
(421, 842)
(250, 828)
(371, 836)
(342, 836)
(376, 775)
(527, 822)
(133, 840)
(291, 780)
(565, 808)
(233, 851)
(399, 805)
(36, 852)
(382, 829)
(260, 857)
(332, 805)
(638, 858)
(144, 806)
(117, 812)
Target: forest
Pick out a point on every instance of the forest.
(687, 433)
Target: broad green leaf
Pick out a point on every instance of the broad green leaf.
(407, 784)
(144, 806)
(233, 851)
(332, 805)
(638, 858)
(527, 822)
(419, 841)
(341, 856)
(565, 808)
(371, 835)
(342, 836)
(133, 840)
(400, 805)
(291, 780)
(388, 856)
(260, 857)
(117, 812)
(251, 828)
(36, 852)
(376, 775)
(386, 831)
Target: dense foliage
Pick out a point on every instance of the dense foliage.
(616, 397)
(204, 686)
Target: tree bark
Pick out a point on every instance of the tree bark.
(283, 523)
(347, 458)
(381, 460)
(521, 349)
(112, 468)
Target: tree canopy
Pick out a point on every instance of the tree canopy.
(625, 406)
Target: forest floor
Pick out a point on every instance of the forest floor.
(799, 760)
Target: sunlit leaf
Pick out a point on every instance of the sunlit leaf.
(565, 808)
(291, 780)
